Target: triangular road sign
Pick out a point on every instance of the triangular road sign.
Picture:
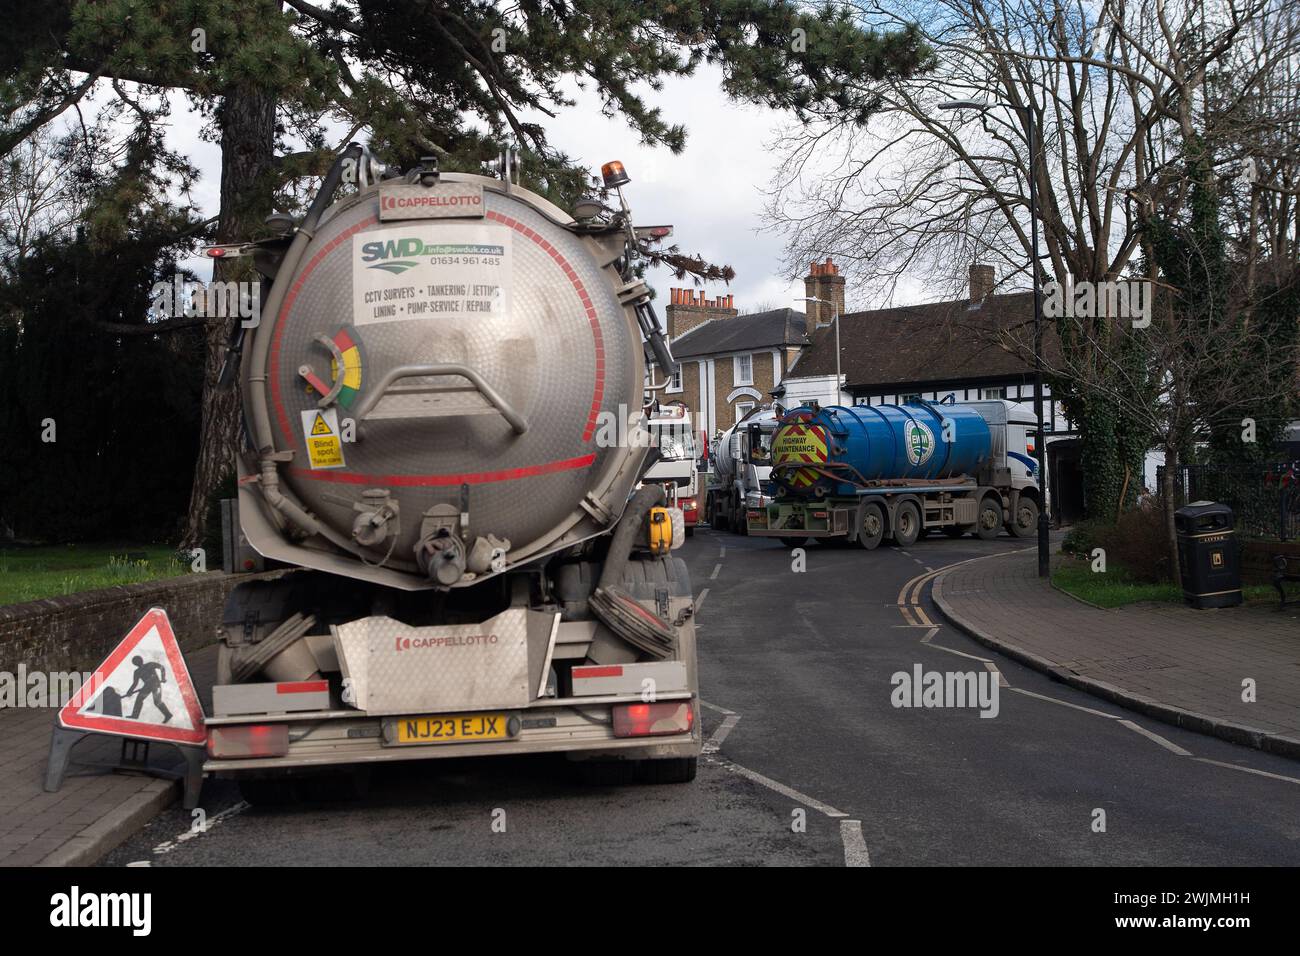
(321, 427)
(142, 690)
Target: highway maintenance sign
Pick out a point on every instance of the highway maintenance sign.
(800, 444)
(142, 690)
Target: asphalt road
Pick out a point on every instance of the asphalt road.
(810, 761)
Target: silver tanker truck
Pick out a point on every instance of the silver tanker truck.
(475, 573)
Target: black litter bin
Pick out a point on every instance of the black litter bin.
(1207, 553)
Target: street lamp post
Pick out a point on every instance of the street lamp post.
(1040, 443)
(839, 394)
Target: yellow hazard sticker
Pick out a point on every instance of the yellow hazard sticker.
(320, 429)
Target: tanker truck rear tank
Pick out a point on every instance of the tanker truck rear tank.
(437, 361)
(870, 472)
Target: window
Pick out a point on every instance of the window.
(743, 370)
(743, 409)
(675, 383)
(993, 392)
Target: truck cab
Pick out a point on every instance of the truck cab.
(677, 467)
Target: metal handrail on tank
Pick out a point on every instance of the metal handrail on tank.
(373, 396)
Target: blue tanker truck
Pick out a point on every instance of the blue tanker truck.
(865, 473)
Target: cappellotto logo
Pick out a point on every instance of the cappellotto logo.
(76, 909)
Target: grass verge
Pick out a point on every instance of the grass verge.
(1117, 587)
(29, 574)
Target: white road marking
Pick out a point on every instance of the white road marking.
(722, 551)
(714, 743)
(1065, 703)
(929, 634)
(1260, 773)
(972, 657)
(717, 568)
(855, 848)
(699, 601)
(993, 668)
(793, 794)
(213, 821)
(1163, 742)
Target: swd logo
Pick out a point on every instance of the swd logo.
(920, 442)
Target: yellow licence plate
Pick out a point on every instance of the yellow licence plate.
(451, 728)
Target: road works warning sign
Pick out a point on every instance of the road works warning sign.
(320, 432)
(440, 272)
(142, 690)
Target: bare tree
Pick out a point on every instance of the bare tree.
(34, 198)
(1114, 95)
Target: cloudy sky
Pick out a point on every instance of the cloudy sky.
(712, 193)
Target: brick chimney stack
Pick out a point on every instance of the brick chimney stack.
(981, 282)
(823, 282)
(689, 309)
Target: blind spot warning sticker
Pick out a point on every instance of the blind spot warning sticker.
(320, 428)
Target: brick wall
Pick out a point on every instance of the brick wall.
(76, 632)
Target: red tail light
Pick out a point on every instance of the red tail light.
(650, 720)
(251, 740)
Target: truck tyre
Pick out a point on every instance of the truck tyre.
(989, 525)
(1024, 523)
(872, 530)
(907, 524)
(669, 770)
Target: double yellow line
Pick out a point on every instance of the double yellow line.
(909, 604)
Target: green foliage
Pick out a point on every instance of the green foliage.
(1136, 544)
(124, 407)
(1081, 538)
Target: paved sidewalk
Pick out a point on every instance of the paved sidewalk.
(96, 808)
(1172, 662)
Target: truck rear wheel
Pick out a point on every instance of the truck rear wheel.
(872, 531)
(1024, 522)
(907, 524)
(989, 525)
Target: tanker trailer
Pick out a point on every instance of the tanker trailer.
(868, 472)
(742, 463)
(426, 402)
